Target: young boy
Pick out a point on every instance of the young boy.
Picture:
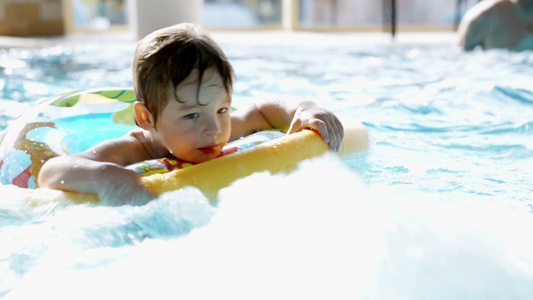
(183, 84)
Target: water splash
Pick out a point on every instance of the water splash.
(319, 233)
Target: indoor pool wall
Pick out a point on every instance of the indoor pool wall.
(439, 207)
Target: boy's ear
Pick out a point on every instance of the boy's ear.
(143, 116)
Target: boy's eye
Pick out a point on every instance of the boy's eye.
(192, 116)
(223, 110)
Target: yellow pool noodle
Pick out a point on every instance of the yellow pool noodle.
(276, 156)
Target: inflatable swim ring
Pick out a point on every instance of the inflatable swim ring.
(73, 122)
(64, 124)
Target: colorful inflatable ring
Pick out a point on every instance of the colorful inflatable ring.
(73, 122)
(68, 123)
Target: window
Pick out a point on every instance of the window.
(289, 14)
(365, 14)
(241, 14)
(340, 13)
(98, 14)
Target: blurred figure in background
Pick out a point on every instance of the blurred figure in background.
(498, 24)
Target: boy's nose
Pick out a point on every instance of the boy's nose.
(212, 127)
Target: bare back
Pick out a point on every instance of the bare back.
(496, 24)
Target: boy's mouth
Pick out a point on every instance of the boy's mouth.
(214, 149)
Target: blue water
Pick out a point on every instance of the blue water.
(439, 207)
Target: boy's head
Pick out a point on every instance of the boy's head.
(167, 56)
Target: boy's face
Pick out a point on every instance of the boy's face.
(197, 129)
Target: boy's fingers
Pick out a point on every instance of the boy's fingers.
(338, 134)
(322, 128)
(332, 131)
(295, 127)
(324, 132)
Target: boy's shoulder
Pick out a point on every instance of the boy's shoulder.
(130, 148)
(143, 144)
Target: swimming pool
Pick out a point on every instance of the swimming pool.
(439, 207)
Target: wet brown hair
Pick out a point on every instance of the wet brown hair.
(167, 56)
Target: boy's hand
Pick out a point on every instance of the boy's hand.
(311, 116)
(124, 187)
(114, 184)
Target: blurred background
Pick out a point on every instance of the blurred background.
(58, 17)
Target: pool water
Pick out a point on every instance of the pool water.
(439, 207)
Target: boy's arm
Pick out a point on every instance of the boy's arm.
(288, 113)
(98, 171)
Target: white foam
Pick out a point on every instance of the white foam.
(318, 233)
